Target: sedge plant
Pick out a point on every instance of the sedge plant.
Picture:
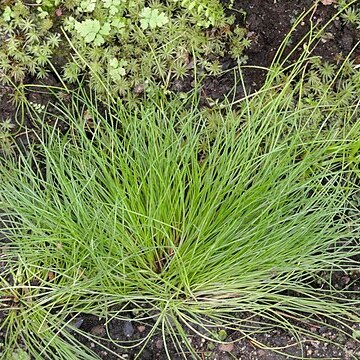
(142, 210)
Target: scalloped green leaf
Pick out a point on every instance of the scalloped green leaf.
(152, 18)
(88, 29)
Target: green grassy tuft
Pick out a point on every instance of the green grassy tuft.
(146, 209)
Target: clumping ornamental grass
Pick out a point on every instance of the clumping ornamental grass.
(142, 211)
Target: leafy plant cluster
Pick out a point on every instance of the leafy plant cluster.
(122, 41)
(351, 14)
(26, 42)
(6, 137)
(328, 83)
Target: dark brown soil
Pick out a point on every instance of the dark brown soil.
(268, 22)
(235, 348)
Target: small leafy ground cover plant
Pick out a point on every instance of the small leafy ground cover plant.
(144, 208)
(351, 15)
(124, 41)
(6, 146)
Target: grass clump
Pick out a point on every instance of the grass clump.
(145, 210)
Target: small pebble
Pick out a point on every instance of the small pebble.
(141, 328)
(159, 344)
(315, 343)
(226, 347)
(77, 322)
(128, 329)
(261, 352)
(98, 330)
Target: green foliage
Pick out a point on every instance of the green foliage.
(350, 12)
(26, 44)
(222, 335)
(20, 354)
(200, 225)
(117, 69)
(206, 12)
(7, 14)
(351, 16)
(152, 18)
(92, 31)
(149, 40)
(87, 5)
(327, 84)
(6, 137)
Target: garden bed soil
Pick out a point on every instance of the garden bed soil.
(268, 22)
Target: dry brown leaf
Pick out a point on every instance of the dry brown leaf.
(328, 2)
(51, 275)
